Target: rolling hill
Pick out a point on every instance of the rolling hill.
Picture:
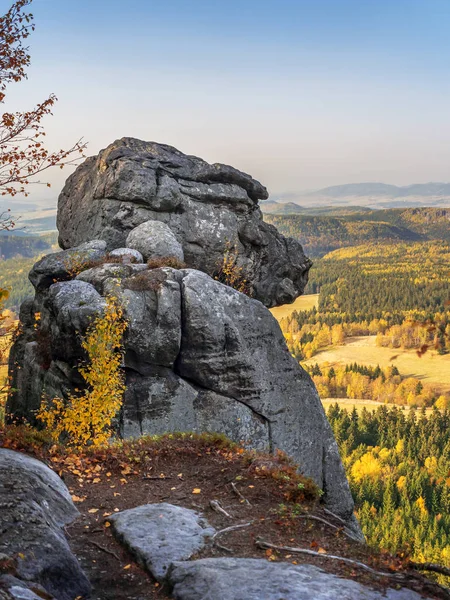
(323, 233)
(384, 189)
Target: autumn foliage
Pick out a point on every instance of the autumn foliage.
(86, 419)
(23, 154)
(230, 273)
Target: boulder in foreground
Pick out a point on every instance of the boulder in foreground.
(35, 506)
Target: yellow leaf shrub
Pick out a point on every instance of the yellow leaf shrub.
(230, 273)
(367, 466)
(87, 419)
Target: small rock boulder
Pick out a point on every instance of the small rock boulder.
(61, 266)
(154, 239)
(159, 534)
(128, 255)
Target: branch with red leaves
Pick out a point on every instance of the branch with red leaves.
(23, 154)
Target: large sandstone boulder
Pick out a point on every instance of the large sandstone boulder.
(35, 506)
(160, 201)
(258, 579)
(199, 356)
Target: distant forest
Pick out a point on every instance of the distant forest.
(322, 233)
(398, 465)
(19, 255)
(25, 246)
(397, 292)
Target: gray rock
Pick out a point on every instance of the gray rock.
(12, 588)
(128, 255)
(154, 239)
(158, 534)
(43, 360)
(208, 209)
(153, 313)
(61, 266)
(258, 579)
(70, 307)
(199, 356)
(104, 276)
(35, 505)
(159, 403)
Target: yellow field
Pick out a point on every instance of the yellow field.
(370, 405)
(302, 303)
(431, 368)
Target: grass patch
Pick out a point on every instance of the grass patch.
(431, 368)
(307, 302)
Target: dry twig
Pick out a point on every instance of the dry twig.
(97, 545)
(266, 545)
(337, 517)
(238, 493)
(435, 568)
(325, 522)
(215, 505)
(231, 528)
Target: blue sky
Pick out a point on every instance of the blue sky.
(301, 94)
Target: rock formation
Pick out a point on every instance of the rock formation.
(159, 534)
(158, 200)
(35, 506)
(199, 355)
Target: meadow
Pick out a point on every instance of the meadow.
(431, 367)
(306, 302)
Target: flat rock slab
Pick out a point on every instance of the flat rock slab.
(258, 579)
(159, 534)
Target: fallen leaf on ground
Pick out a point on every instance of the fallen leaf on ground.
(76, 498)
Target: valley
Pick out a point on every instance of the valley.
(324, 229)
(373, 331)
(375, 338)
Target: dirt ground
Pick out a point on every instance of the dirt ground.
(192, 471)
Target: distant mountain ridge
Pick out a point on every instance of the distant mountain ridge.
(384, 189)
(280, 208)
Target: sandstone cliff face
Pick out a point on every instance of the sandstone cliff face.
(205, 208)
(199, 355)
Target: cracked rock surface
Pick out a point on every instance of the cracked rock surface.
(161, 202)
(258, 579)
(35, 505)
(199, 356)
(159, 534)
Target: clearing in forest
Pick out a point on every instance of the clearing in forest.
(307, 302)
(431, 368)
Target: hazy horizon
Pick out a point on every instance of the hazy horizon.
(300, 94)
